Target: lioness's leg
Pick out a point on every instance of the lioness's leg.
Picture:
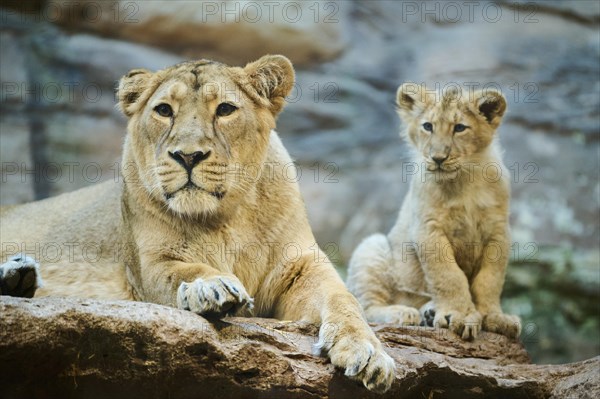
(372, 280)
(448, 285)
(310, 289)
(193, 286)
(20, 277)
(487, 288)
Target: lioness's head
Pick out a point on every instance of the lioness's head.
(449, 129)
(196, 128)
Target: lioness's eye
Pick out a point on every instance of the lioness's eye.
(459, 128)
(428, 126)
(164, 110)
(225, 109)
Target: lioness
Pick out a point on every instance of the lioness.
(451, 240)
(205, 219)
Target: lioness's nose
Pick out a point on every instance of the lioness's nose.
(439, 158)
(189, 161)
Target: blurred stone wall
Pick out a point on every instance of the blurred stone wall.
(59, 129)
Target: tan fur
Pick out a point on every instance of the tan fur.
(239, 238)
(451, 240)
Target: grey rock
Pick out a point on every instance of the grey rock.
(233, 31)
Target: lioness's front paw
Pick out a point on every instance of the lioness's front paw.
(466, 325)
(501, 323)
(362, 359)
(20, 277)
(214, 296)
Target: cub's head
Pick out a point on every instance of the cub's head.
(197, 128)
(450, 129)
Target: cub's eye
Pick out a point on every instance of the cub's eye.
(225, 109)
(428, 126)
(164, 110)
(459, 128)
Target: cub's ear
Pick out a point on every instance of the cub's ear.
(272, 78)
(410, 99)
(491, 104)
(131, 87)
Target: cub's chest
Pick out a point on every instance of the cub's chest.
(465, 218)
(468, 222)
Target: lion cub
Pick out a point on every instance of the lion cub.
(449, 247)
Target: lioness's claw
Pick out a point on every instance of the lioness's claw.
(361, 357)
(215, 296)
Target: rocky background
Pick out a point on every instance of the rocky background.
(59, 129)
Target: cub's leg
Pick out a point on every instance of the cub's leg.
(487, 288)
(310, 289)
(193, 286)
(371, 279)
(20, 277)
(448, 284)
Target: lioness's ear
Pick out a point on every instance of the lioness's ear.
(410, 98)
(131, 86)
(491, 104)
(272, 77)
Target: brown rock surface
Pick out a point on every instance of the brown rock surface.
(81, 348)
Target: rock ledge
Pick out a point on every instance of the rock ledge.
(81, 348)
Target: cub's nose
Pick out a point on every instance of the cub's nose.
(439, 159)
(189, 161)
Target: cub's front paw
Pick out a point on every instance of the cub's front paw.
(362, 358)
(20, 277)
(501, 323)
(465, 324)
(214, 296)
(427, 312)
(402, 315)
